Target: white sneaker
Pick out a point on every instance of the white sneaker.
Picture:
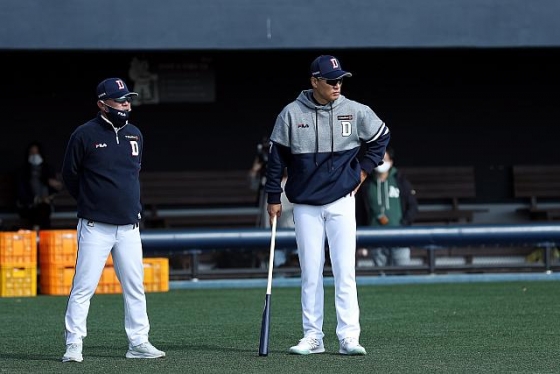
(144, 350)
(73, 353)
(307, 346)
(351, 346)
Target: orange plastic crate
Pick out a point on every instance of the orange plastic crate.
(109, 260)
(156, 277)
(18, 281)
(58, 247)
(18, 248)
(108, 283)
(55, 280)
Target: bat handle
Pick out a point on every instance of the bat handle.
(271, 256)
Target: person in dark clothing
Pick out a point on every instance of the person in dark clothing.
(388, 199)
(101, 170)
(37, 186)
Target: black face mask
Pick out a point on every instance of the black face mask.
(117, 117)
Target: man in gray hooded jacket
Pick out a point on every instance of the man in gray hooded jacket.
(318, 138)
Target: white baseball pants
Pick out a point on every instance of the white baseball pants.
(337, 223)
(95, 242)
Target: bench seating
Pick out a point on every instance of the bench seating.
(176, 199)
(170, 199)
(180, 199)
(537, 185)
(185, 196)
(442, 185)
(202, 198)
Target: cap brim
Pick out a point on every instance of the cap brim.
(337, 74)
(122, 96)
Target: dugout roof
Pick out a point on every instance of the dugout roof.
(276, 24)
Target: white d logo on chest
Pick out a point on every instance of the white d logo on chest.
(346, 128)
(134, 146)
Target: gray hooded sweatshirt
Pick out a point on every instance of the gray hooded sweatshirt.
(319, 145)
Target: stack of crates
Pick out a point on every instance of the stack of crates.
(57, 259)
(18, 264)
(156, 277)
(108, 282)
(156, 274)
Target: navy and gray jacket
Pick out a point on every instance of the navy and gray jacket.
(319, 145)
(101, 171)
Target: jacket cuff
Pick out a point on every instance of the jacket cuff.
(273, 198)
(367, 166)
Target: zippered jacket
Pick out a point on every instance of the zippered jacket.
(319, 144)
(101, 171)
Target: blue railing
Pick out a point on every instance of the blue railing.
(432, 238)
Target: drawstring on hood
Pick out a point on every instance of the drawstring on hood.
(316, 136)
(317, 106)
(385, 185)
(331, 124)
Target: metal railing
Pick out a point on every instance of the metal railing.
(432, 239)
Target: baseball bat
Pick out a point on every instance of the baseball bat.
(265, 323)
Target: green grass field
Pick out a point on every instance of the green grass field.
(511, 327)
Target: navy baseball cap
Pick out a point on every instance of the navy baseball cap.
(328, 67)
(113, 88)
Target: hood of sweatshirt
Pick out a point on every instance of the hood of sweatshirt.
(306, 98)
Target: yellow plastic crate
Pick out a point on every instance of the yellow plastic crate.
(156, 274)
(18, 248)
(18, 281)
(58, 247)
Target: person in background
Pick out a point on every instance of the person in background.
(389, 200)
(37, 185)
(257, 180)
(318, 137)
(101, 171)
